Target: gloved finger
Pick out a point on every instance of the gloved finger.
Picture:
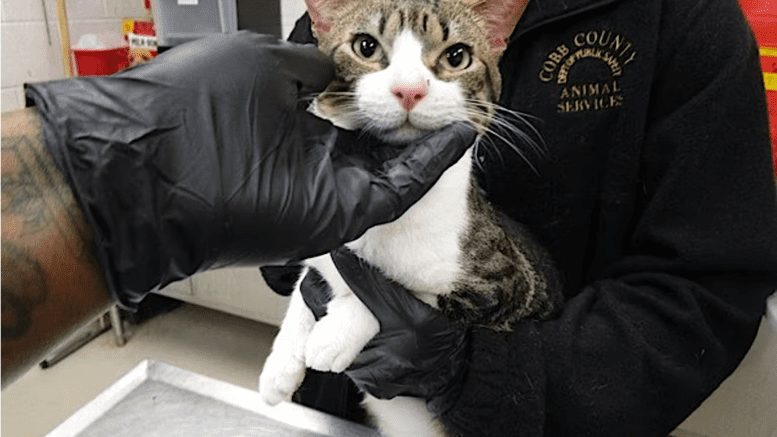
(418, 351)
(316, 293)
(304, 63)
(390, 302)
(393, 364)
(432, 153)
(397, 164)
(281, 279)
(360, 190)
(401, 181)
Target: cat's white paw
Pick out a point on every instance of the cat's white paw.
(281, 375)
(335, 341)
(328, 351)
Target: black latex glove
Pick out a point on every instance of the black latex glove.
(473, 379)
(418, 352)
(206, 157)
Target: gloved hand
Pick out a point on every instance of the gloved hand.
(418, 352)
(473, 379)
(206, 157)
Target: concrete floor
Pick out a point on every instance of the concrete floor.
(194, 338)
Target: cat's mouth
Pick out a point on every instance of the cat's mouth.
(403, 134)
(378, 144)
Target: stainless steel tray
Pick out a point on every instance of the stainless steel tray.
(157, 399)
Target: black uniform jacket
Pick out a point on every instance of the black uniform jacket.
(655, 196)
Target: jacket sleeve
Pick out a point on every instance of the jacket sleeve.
(636, 351)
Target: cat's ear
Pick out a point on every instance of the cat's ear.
(320, 15)
(500, 17)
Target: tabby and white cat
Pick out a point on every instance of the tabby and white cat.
(405, 68)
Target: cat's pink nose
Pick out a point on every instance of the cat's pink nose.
(409, 95)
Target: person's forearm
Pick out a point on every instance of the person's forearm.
(51, 281)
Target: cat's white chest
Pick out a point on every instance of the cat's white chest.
(421, 248)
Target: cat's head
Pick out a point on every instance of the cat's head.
(408, 67)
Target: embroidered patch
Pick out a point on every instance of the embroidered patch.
(611, 50)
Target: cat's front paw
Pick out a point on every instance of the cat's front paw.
(326, 353)
(281, 375)
(335, 341)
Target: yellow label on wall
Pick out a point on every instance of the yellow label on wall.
(770, 77)
(770, 80)
(769, 51)
(129, 25)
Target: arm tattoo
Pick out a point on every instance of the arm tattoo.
(35, 190)
(37, 207)
(20, 272)
(51, 281)
(25, 197)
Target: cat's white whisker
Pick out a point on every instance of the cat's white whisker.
(511, 144)
(510, 127)
(518, 118)
(509, 135)
(537, 145)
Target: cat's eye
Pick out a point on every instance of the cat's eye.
(367, 47)
(457, 57)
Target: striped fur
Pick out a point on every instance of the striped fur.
(450, 248)
(504, 278)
